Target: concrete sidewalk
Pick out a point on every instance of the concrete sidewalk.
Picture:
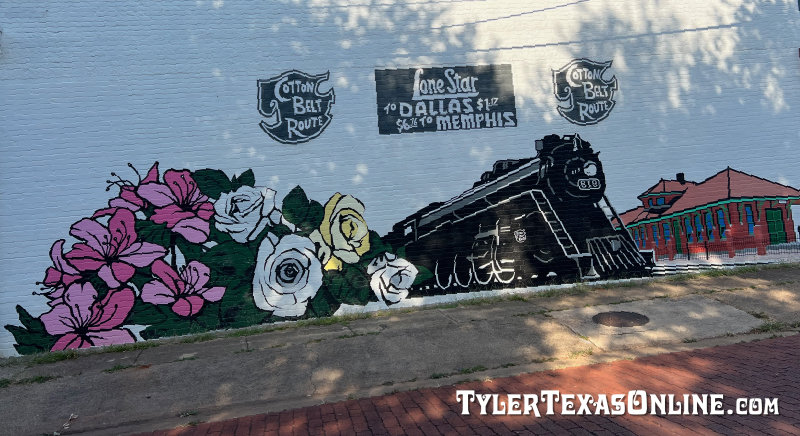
(214, 377)
(766, 373)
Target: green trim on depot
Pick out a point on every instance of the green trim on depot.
(656, 194)
(718, 203)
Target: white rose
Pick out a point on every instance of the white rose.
(391, 277)
(244, 213)
(288, 275)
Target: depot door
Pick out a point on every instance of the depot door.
(777, 234)
(677, 233)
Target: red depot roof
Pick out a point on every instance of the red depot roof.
(726, 184)
(668, 186)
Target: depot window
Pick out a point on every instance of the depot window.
(698, 224)
(709, 226)
(748, 212)
(721, 222)
(687, 222)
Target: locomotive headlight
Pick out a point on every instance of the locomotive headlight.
(590, 169)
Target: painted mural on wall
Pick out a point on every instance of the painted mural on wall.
(445, 98)
(183, 252)
(294, 109)
(189, 251)
(584, 96)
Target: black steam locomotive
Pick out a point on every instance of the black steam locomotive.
(526, 222)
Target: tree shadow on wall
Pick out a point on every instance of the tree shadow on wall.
(698, 58)
(692, 76)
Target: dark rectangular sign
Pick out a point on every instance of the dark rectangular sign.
(445, 98)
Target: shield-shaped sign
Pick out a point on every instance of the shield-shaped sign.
(584, 96)
(294, 109)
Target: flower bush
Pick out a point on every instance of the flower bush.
(193, 251)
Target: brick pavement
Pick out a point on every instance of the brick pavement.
(764, 369)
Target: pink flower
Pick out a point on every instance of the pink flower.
(179, 204)
(185, 291)
(59, 276)
(128, 199)
(112, 251)
(84, 322)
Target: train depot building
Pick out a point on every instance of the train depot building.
(731, 213)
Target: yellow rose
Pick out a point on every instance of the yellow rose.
(343, 235)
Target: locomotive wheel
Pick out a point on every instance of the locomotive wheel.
(441, 274)
(483, 261)
(505, 275)
(462, 271)
(504, 258)
(544, 254)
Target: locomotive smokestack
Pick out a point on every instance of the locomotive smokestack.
(681, 178)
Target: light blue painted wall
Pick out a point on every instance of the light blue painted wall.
(87, 87)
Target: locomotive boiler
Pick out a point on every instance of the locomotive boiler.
(525, 222)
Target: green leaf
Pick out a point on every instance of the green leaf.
(27, 319)
(212, 182)
(31, 349)
(168, 323)
(209, 318)
(247, 178)
(32, 340)
(141, 277)
(278, 230)
(306, 214)
(216, 235)
(316, 213)
(237, 295)
(100, 285)
(189, 250)
(229, 262)
(232, 266)
(295, 206)
(349, 286)
(323, 304)
(247, 315)
(149, 231)
(147, 314)
(376, 248)
(178, 327)
(422, 275)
